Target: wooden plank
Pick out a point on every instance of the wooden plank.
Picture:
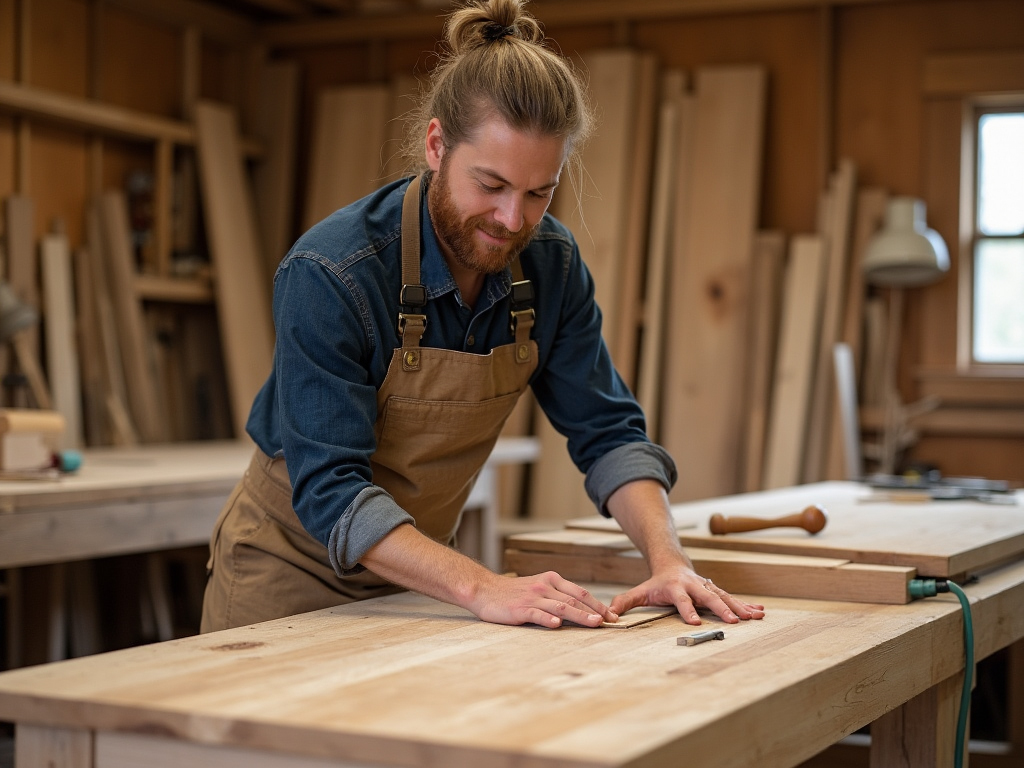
(836, 239)
(274, 177)
(138, 373)
(348, 141)
(766, 299)
(600, 221)
(61, 343)
(868, 216)
(241, 286)
(90, 344)
(631, 267)
(708, 320)
(794, 364)
(115, 390)
(672, 158)
(736, 571)
(962, 74)
(929, 537)
(57, 747)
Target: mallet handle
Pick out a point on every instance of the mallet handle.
(812, 519)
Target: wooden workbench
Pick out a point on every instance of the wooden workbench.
(408, 681)
(122, 500)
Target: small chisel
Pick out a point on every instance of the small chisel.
(701, 637)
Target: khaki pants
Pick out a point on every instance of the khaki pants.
(263, 565)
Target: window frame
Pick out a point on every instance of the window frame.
(974, 107)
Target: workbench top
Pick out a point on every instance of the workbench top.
(408, 681)
(938, 538)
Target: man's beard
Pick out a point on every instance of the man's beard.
(458, 236)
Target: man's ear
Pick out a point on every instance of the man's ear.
(434, 144)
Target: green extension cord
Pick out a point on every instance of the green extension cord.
(927, 588)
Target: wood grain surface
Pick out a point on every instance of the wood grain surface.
(939, 539)
(408, 681)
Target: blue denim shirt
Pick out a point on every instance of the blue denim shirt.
(335, 310)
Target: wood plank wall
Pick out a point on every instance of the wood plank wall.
(844, 81)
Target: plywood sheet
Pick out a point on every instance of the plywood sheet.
(939, 539)
(706, 365)
(243, 304)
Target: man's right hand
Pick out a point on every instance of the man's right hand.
(545, 599)
(414, 561)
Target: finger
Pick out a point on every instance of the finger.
(585, 598)
(629, 600)
(740, 608)
(687, 609)
(571, 610)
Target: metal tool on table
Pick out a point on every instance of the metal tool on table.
(700, 637)
(812, 519)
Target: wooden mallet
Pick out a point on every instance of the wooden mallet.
(812, 520)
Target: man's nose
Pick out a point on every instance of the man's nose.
(510, 213)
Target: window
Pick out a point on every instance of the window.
(997, 322)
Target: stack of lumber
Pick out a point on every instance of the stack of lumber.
(866, 553)
(111, 372)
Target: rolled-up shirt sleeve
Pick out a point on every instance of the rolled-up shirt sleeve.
(327, 407)
(586, 399)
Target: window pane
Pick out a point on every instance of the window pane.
(1001, 174)
(999, 301)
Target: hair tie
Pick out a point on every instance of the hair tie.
(495, 31)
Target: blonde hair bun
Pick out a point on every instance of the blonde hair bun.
(488, 21)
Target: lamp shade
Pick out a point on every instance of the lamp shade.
(905, 253)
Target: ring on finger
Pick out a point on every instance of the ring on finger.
(709, 585)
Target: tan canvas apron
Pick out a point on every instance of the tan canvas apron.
(439, 413)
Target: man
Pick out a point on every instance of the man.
(408, 324)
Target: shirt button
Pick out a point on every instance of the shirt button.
(471, 340)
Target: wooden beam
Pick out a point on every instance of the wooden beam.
(51, 106)
(65, 747)
(1004, 422)
(216, 22)
(588, 556)
(962, 74)
(569, 12)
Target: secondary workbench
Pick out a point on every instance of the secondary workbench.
(408, 681)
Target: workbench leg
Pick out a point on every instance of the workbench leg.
(39, 747)
(1015, 698)
(922, 731)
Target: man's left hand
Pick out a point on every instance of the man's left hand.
(682, 587)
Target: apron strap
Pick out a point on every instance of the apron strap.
(522, 313)
(412, 322)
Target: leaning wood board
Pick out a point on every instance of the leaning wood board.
(384, 682)
(600, 222)
(582, 555)
(707, 329)
(939, 539)
(243, 299)
(347, 158)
